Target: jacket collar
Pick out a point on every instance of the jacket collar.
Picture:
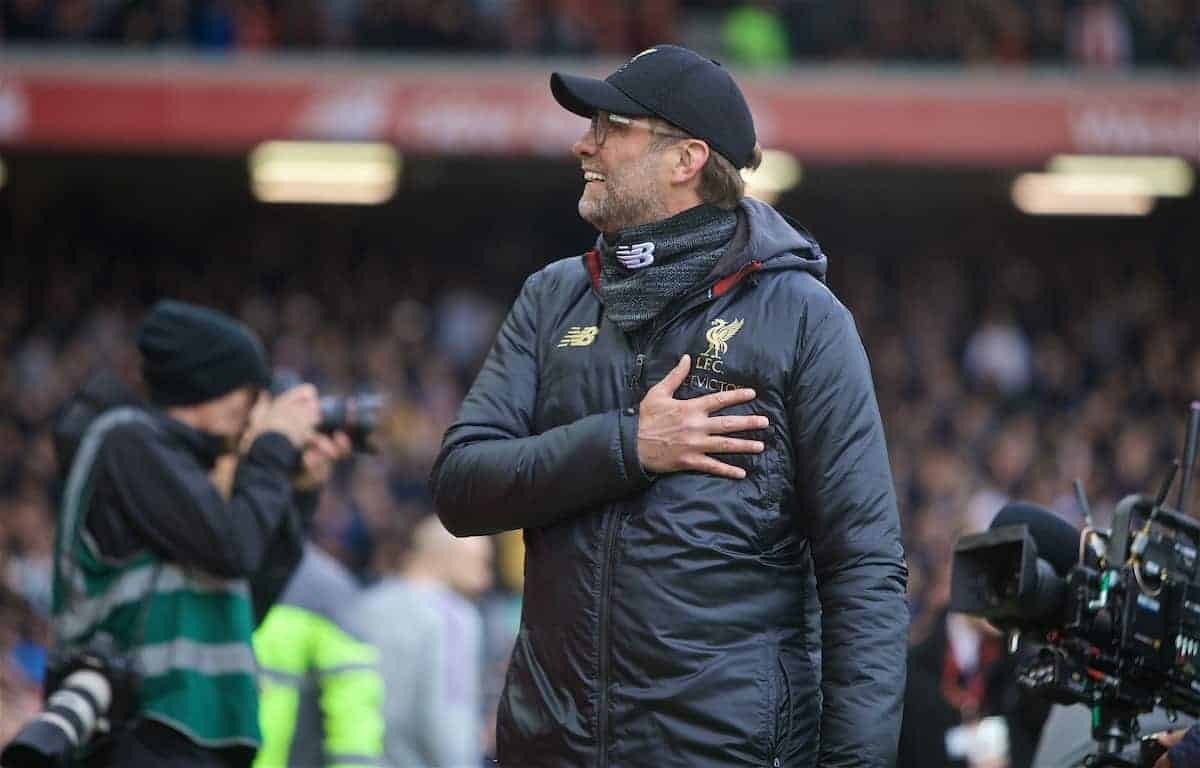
(204, 446)
(764, 239)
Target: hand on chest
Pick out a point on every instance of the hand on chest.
(589, 369)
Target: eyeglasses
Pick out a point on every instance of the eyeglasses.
(602, 122)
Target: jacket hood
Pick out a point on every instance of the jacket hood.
(102, 391)
(775, 240)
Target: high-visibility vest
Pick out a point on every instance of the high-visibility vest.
(321, 692)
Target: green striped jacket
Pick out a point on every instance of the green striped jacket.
(188, 633)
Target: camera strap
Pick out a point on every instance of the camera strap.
(71, 524)
(144, 606)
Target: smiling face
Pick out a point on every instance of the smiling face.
(626, 179)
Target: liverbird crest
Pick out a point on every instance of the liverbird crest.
(719, 334)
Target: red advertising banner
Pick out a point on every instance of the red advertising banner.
(426, 106)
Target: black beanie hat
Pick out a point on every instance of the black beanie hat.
(191, 354)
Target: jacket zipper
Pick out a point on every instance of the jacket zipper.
(638, 362)
(783, 688)
(690, 302)
(693, 301)
(610, 548)
(697, 298)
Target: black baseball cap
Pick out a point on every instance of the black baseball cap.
(676, 84)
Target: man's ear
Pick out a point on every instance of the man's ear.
(690, 158)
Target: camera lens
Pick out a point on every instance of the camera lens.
(68, 721)
(356, 415)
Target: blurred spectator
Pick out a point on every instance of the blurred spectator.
(501, 609)
(27, 19)
(28, 573)
(417, 25)
(998, 355)
(20, 681)
(1162, 33)
(558, 28)
(753, 35)
(1099, 36)
(1048, 30)
(320, 691)
(962, 705)
(431, 658)
(215, 24)
(466, 324)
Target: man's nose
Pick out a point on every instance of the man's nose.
(585, 145)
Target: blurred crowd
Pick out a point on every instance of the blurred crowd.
(1046, 372)
(1006, 366)
(1093, 34)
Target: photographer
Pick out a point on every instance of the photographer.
(173, 570)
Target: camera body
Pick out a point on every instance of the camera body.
(356, 415)
(1153, 626)
(1116, 624)
(90, 693)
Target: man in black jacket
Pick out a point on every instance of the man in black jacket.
(171, 564)
(958, 677)
(683, 422)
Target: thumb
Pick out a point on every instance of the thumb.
(675, 376)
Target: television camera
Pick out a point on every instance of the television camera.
(1113, 616)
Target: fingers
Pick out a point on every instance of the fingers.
(326, 449)
(321, 452)
(732, 445)
(299, 394)
(303, 396)
(675, 376)
(300, 403)
(323, 447)
(343, 443)
(718, 425)
(719, 400)
(711, 466)
(680, 435)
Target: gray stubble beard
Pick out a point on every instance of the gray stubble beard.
(615, 212)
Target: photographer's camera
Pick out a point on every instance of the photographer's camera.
(355, 415)
(90, 695)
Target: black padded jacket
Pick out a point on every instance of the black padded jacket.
(687, 619)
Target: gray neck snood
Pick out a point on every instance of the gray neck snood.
(642, 269)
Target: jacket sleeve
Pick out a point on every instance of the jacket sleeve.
(296, 648)
(167, 498)
(351, 699)
(848, 512)
(283, 554)
(495, 474)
